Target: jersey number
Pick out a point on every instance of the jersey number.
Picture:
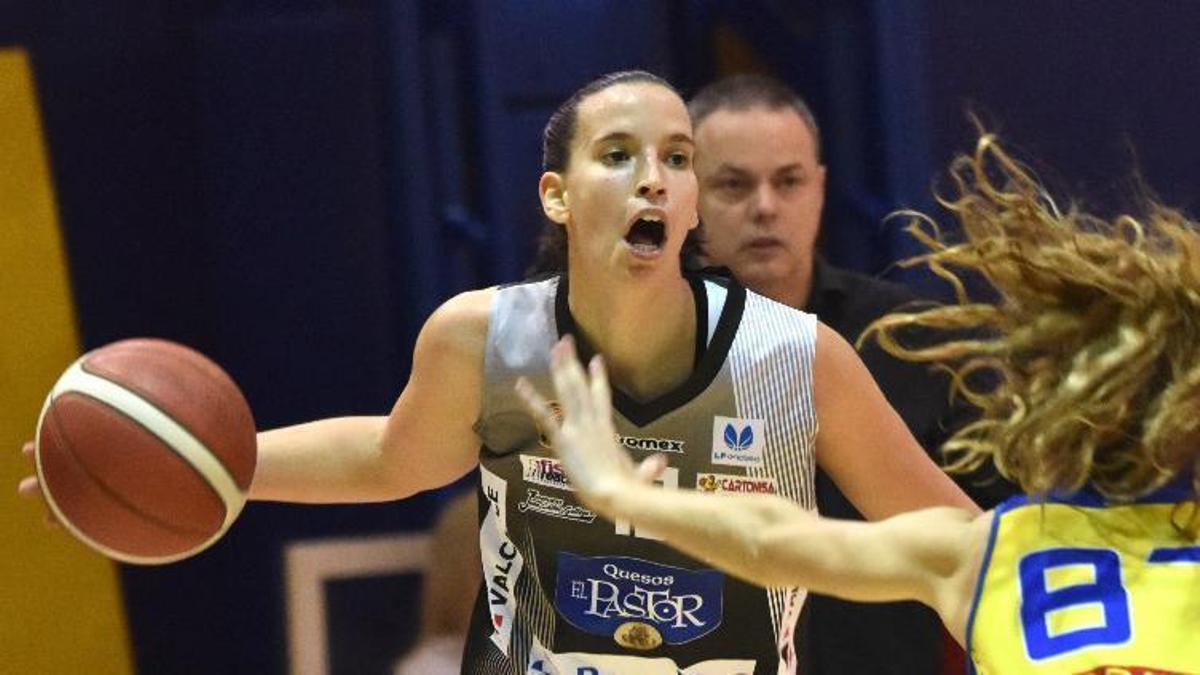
(1107, 591)
(1038, 601)
(668, 479)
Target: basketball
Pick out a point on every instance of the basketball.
(145, 450)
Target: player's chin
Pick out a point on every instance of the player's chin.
(762, 253)
(760, 267)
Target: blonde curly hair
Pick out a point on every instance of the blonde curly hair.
(1090, 358)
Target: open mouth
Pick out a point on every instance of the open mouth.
(646, 235)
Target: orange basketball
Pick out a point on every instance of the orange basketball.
(145, 450)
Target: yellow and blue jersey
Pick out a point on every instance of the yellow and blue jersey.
(1079, 586)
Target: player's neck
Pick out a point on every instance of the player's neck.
(645, 330)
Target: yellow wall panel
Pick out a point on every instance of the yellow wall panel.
(60, 604)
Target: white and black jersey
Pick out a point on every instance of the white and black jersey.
(565, 591)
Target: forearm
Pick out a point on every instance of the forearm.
(741, 535)
(335, 460)
(772, 542)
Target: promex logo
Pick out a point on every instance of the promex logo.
(651, 444)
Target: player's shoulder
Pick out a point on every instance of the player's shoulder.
(460, 324)
(472, 312)
(467, 308)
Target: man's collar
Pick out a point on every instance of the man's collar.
(826, 278)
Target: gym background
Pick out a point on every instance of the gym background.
(292, 186)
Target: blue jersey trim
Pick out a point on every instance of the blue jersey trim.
(1086, 497)
(983, 568)
(1178, 490)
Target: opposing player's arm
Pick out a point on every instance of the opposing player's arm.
(929, 555)
(864, 445)
(427, 440)
(926, 555)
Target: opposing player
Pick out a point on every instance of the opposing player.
(741, 394)
(1094, 411)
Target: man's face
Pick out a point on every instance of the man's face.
(761, 193)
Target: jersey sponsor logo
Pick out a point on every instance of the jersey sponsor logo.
(793, 602)
(542, 661)
(651, 444)
(640, 603)
(502, 562)
(545, 471)
(738, 442)
(495, 491)
(720, 482)
(555, 507)
(638, 635)
(557, 413)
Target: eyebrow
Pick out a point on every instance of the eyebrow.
(795, 166)
(625, 136)
(681, 138)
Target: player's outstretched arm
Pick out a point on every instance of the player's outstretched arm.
(427, 441)
(927, 555)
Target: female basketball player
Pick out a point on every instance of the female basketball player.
(1094, 412)
(730, 386)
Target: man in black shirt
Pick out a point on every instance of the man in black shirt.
(762, 189)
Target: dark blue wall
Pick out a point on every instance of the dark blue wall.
(1091, 91)
(292, 186)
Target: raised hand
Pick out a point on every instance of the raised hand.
(585, 440)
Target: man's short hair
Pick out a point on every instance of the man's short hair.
(743, 92)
